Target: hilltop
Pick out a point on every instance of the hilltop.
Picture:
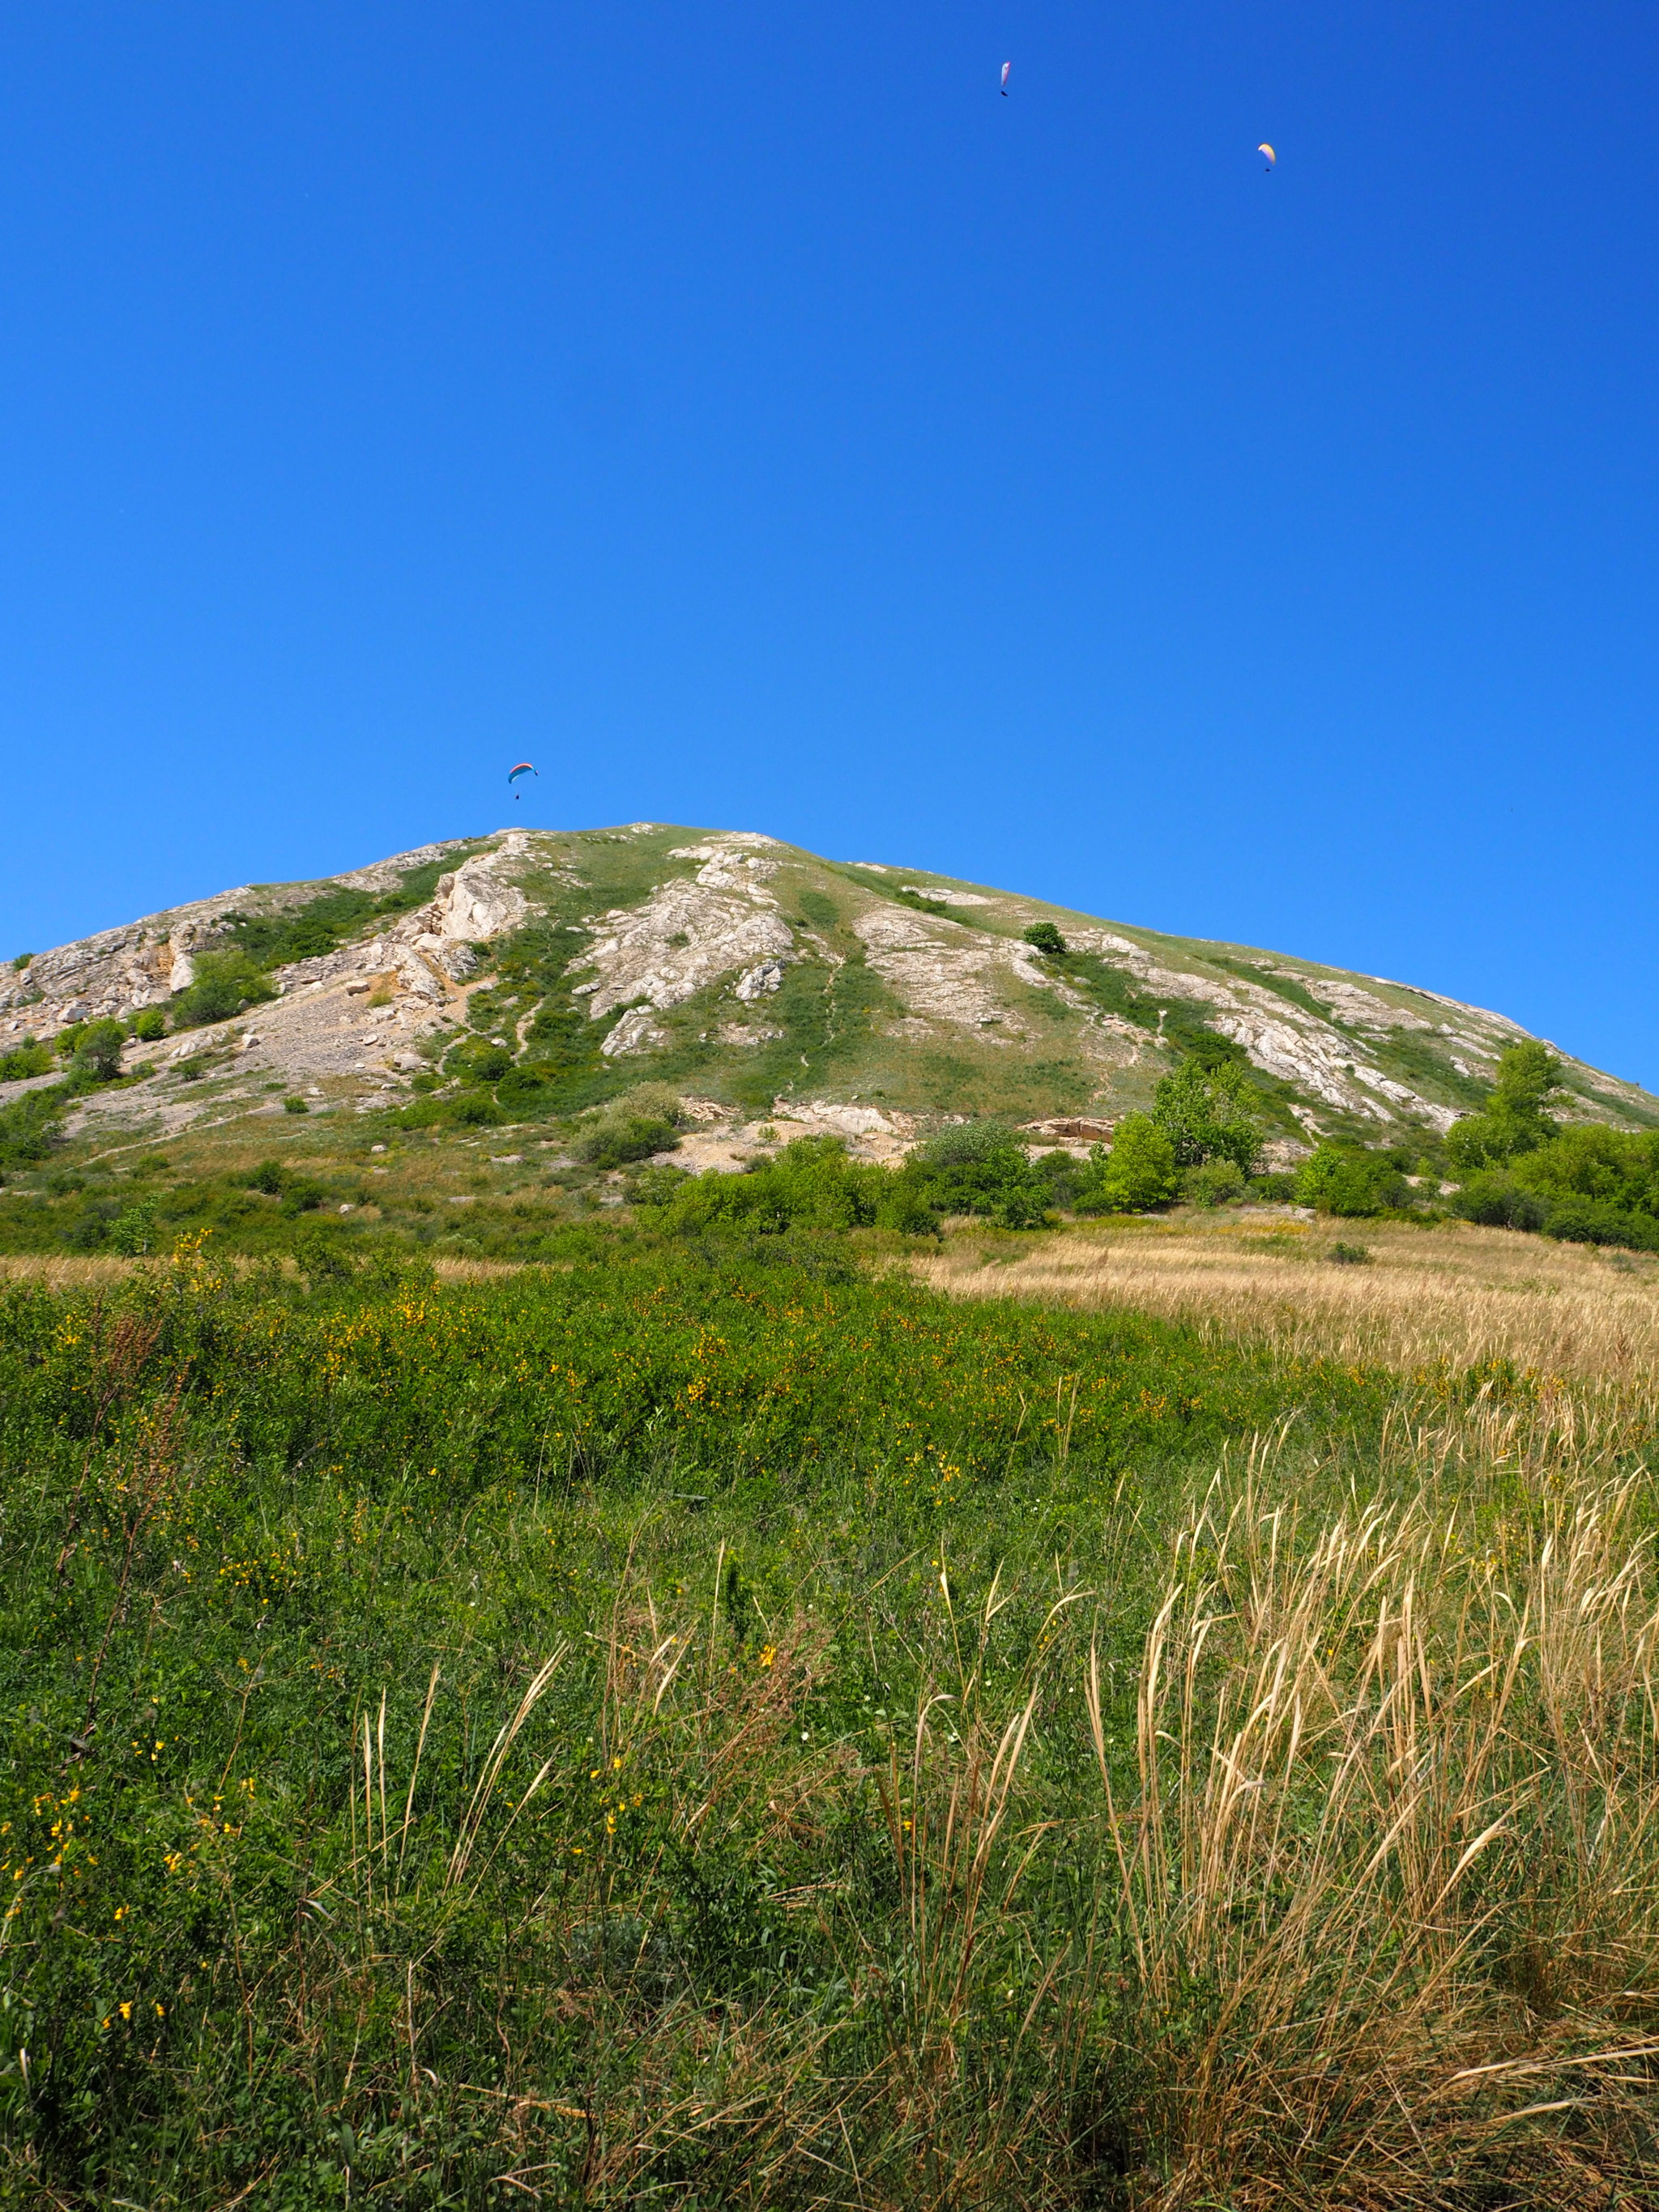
(759, 980)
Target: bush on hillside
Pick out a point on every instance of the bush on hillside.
(618, 1143)
(1203, 1111)
(225, 983)
(1217, 1182)
(98, 1052)
(1350, 1182)
(1140, 1171)
(1046, 938)
(1495, 1200)
(979, 1168)
(25, 1061)
(149, 1024)
(1515, 1120)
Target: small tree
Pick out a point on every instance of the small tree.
(1203, 1112)
(98, 1051)
(1515, 1120)
(1046, 937)
(1139, 1171)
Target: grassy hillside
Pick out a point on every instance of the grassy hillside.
(710, 1731)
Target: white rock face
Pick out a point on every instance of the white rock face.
(635, 1032)
(687, 935)
(756, 982)
(943, 972)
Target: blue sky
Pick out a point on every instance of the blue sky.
(748, 415)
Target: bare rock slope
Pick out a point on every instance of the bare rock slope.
(764, 981)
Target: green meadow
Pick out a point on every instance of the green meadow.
(712, 1727)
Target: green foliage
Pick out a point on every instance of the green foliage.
(132, 1232)
(476, 1060)
(1217, 1182)
(268, 1177)
(1587, 1184)
(980, 1168)
(303, 1528)
(225, 983)
(302, 932)
(24, 1060)
(28, 1126)
(810, 1185)
(1350, 1256)
(1139, 1172)
(1203, 1111)
(149, 1024)
(295, 1105)
(98, 1051)
(616, 1143)
(1350, 1182)
(21, 961)
(1515, 1120)
(1046, 937)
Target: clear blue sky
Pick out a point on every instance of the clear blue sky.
(752, 419)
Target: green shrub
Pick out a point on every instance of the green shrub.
(476, 1060)
(27, 1060)
(302, 1196)
(90, 1231)
(474, 1109)
(149, 1024)
(1046, 937)
(1276, 1188)
(295, 1105)
(133, 1233)
(268, 1177)
(1496, 1201)
(1140, 1171)
(1602, 1221)
(1203, 1111)
(225, 983)
(98, 1051)
(979, 1168)
(1351, 1183)
(654, 1186)
(322, 1258)
(1515, 1120)
(1217, 1182)
(1350, 1256)
(615, 1144)
(810, 1185)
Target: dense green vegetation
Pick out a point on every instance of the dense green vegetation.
(460, 1733)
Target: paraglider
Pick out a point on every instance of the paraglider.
(1271, 158)
(1006, 66)
(523, 768)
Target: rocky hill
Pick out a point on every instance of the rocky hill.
(759, 980)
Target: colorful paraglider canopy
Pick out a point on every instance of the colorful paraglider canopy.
(1006, 66)
(523, 768)
(1268, 151)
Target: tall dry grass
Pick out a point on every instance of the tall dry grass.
(1386, 1913)
(1452, 1294)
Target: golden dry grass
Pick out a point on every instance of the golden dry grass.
(1450, 1293)
(62, 1271)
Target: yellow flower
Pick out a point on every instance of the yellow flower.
(126, 2012)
